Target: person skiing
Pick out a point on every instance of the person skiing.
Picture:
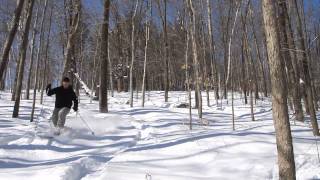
(64, 98)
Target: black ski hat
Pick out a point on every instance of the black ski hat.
(65, 79)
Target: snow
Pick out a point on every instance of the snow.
(86, 89)
(153, 142)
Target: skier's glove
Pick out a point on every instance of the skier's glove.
(48, 87)
(75, 109)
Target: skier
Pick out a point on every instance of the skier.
(64, 97)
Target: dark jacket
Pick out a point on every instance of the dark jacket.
(64, 97)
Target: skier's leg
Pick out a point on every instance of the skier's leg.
(55, 116)
(62, 116)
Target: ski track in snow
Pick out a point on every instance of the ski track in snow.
(147, 143)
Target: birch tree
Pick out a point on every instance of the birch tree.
(132, 51)
(147, 36)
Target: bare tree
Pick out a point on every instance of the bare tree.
(44, 78)
(147, 37)
(279, 93)
(195, 54)
(103, 90)
(11, 36)
(132, 51)
(69, 62)
(34, 34)
(38, 61)
(22, 57)
(306, 71)
(163, 16)
(293, 82)
(213, 63)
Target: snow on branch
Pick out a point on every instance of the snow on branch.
(88, 91)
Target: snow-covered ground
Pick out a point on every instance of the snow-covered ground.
(153, 142)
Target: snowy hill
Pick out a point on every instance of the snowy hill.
(148, 143)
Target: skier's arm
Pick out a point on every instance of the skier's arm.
(51, 91)
(75, 102)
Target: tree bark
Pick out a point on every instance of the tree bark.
(279, 93)
(214, 69)
(306, 71)
(294, 87)
(195, 55)
(166, 54)
(132, 51)
(10, 38)
(145, 52)
(44, 77)
(69, 63)
(38, 61)
(22, 57)
(34, 35)
(103, 90)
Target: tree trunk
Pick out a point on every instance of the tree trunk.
(38, 61)
(243, 73)
(166, 54)
(22, 57)
(294, 88)
(195, 55)
(44, 77)
(214, 69)
(306, 73)
(188, 78)
(132, 52)
(279, 93)
(110, 71)
(265, 90)
(103, 90)
(10, 38)
(69, 63)
(145, 53)
(34, 34)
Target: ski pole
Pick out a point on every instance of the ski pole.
(85, 123)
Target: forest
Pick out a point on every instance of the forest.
(159, 89)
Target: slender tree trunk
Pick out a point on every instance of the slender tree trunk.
(251, 105)
(279, 93)
(13, 96)
(214, 69)
(195, 55)
(166, 53)
(103, 89)
(38, 61)
(132, 52)
(145, 53)
(44, 77)
(69, 63)
(95, 67)
(306, 71)
(294, 89)
(230, 43)
(243, 73)
(265, 90)
(34, 34)
(110, 70)
(22, 57)
(188, 77)
(10, 38)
